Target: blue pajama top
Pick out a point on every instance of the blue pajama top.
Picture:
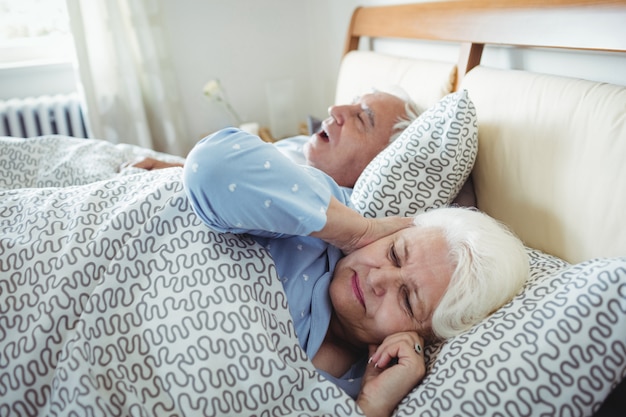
(239, 184)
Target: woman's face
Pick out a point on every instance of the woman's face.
(391, 285)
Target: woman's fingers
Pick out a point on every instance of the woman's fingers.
(395, 367)
(405, 347)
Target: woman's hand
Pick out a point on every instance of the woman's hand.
(348, 230)
(395, 367)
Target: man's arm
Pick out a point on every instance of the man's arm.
(150, 164)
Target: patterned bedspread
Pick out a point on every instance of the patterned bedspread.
(116, 300)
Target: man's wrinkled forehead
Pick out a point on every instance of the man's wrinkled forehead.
(360, 98)
(369, 97)
(392, 90)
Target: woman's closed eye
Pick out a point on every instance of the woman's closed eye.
(393, 255)
(406, 295)
(404, 290)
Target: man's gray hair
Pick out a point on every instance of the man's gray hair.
(411, 109)
(412, 112)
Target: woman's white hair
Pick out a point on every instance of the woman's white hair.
(490, 267)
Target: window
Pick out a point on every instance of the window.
(34, 32)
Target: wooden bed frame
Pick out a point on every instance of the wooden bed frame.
(569, 24)
(473, 24)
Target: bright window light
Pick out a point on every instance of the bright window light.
(34, 32)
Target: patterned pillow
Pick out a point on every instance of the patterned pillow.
(558, 348)
(426, 166)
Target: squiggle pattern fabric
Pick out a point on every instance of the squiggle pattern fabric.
(116, 300)
(557, 349)
(426, 166)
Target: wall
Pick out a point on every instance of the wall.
(328, 45)
(251, 46)
(35, 80)
(293, 48)
(328, 28)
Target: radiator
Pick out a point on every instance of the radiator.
(45, 115)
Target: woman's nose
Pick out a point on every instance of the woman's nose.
(382, 280)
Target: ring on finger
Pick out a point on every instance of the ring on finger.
(418, 349)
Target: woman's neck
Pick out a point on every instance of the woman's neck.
(336, 355)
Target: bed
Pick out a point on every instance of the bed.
(116, 300)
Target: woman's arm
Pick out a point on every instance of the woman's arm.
(348, 230)
(238, 183)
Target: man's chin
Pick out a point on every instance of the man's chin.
(306, 151)
(309, 152)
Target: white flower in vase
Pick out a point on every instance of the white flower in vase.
(214, 91)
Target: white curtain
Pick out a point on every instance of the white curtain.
(126, 78)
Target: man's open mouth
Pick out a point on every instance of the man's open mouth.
(322, 134)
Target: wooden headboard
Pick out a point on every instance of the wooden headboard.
(550, 160)
(571, 24)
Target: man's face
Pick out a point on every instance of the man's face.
(353, 135)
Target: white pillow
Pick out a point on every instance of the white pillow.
(426, 166)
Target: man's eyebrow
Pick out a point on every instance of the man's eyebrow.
(370, 114)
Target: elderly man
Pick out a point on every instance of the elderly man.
(351, 136)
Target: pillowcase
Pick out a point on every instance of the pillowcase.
(426, 166)
(557, 349)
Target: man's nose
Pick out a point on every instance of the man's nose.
(340, 113)
(335, 115)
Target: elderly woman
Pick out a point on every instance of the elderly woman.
(364, 294)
